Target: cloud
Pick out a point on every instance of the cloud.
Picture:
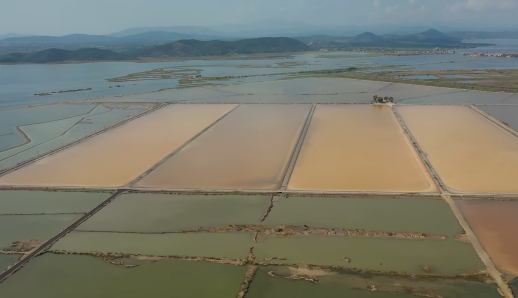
(482, 5)
(377, 3)
(411, 1)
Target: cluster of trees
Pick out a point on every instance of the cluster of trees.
(381, 99)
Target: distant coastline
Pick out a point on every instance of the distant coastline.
(425, 43)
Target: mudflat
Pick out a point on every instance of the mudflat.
(119, 156)
(358, 148)
(494, 223)
(469, 152)
(248, 149)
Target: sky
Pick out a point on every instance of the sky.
(60, 17)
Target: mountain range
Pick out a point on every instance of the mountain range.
(77, 41)
(182, 48)
(156, 44)
(427, 39)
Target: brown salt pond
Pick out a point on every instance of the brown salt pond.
(248, 149)
(494, 223)
(358, 148)
(469, 152)
(119, 156)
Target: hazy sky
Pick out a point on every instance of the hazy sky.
(59, 17)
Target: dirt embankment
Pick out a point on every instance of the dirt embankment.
(292, 231)
(251, 270)
(110, 257)
(23, 248)
(298, 231)
(314, 275)
(315, 271)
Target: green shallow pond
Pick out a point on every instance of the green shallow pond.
(65, 276)
(374, 214)
(403, 255)
(30, 202)
(6, 260)
(221, 245)
(9, 119)
(167, 213)
(27, 227)
(354, 286)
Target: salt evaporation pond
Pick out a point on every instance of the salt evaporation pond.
(27, 227)
(119, 156)
(457, 96)
(53, 134)
(315, 86)
(372, 214)
(506, 114)
(494, 223)
(358, 148)
(167, 213)
(37, 202)
(422, 77)
(402, 255)
(51, 276)
(219, 245)
(169, 95)
(333, 285)
(469, 152)
(11, 118)
(7, 260)
(248, 149)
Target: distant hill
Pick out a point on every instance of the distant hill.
(72, 38)
(162, 37)
(367, 37)
(193, 47)
(192, 30)
(182, 48)
(308, 39)
(58, 55)
(9, 35)
(426, 39)
(78, 41)
(430, 35)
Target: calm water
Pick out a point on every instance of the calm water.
(221, 245)
(423, 77)
(166, 213)
(494, 223)
(374, 214)
(127, 151)
(348, 285)
(507, 114)
(454, 76)
(10, 119)
(7, 260)
(54, 133)
(248, 149)
(469, 152)
(405, 255)
(19, 83)
(329, 158)
(27, 227)
(63, 276)
(12, 202)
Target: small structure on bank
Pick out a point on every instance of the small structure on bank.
(378, 99)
